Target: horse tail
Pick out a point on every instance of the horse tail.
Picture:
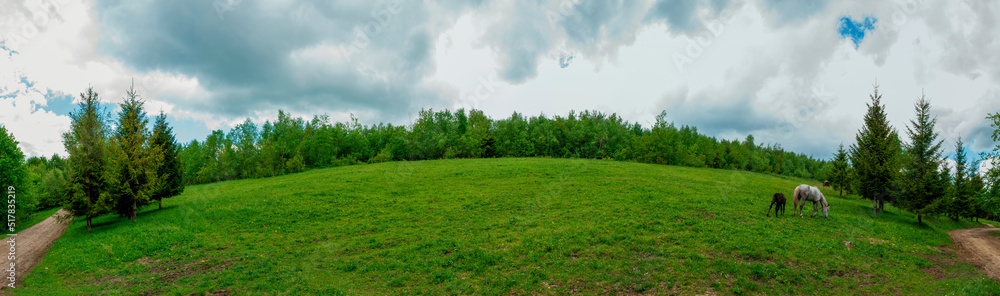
(795, 198)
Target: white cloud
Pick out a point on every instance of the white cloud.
(786, 77)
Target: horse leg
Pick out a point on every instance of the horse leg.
(814, 210)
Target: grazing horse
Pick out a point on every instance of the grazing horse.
(778, 201)
(805, 193)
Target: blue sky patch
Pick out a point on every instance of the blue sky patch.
(856, 30)
(564, 61)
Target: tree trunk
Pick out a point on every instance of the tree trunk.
(88, 223)
(919, 221)
(131, 214)
(161, 204)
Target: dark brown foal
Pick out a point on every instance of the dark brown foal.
(779, 200)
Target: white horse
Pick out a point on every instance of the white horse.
(808, 193)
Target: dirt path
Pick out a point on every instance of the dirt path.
(980, 248)
(30, 245)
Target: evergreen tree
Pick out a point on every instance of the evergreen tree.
(965, 192)
(841, 170)
(135, 158)
(874, 156)
(169, 170)
(920, 179)
(88, 164)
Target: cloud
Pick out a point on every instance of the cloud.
(778, 69)
(38, 131)
(972, 40)
(299, 56)
(678, 14)
(791, 11)
(727, 117)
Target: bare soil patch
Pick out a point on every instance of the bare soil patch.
(31, 244)
(980, 248)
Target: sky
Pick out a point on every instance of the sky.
(792, 73)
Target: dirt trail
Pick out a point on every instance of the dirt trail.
(30, 245)
(980, 248)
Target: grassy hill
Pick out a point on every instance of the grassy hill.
(504, 226)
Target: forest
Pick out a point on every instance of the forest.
(290, 145)
(145, 165)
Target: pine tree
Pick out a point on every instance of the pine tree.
(169, 170)
(964, 193)
(841, 170)
(87, 164)
(874, 156)
(135, 159)
(919, 177)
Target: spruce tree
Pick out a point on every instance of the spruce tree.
(841, 170)
(964, 192)
(135, 158)
(874, 156)
(87, 177)
(169, 171)
(920, 179)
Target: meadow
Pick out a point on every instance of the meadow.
(505, 226)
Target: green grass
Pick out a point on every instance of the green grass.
(505, 226)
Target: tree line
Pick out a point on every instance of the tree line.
(289, 145)
(116, 164)
(912, 173)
